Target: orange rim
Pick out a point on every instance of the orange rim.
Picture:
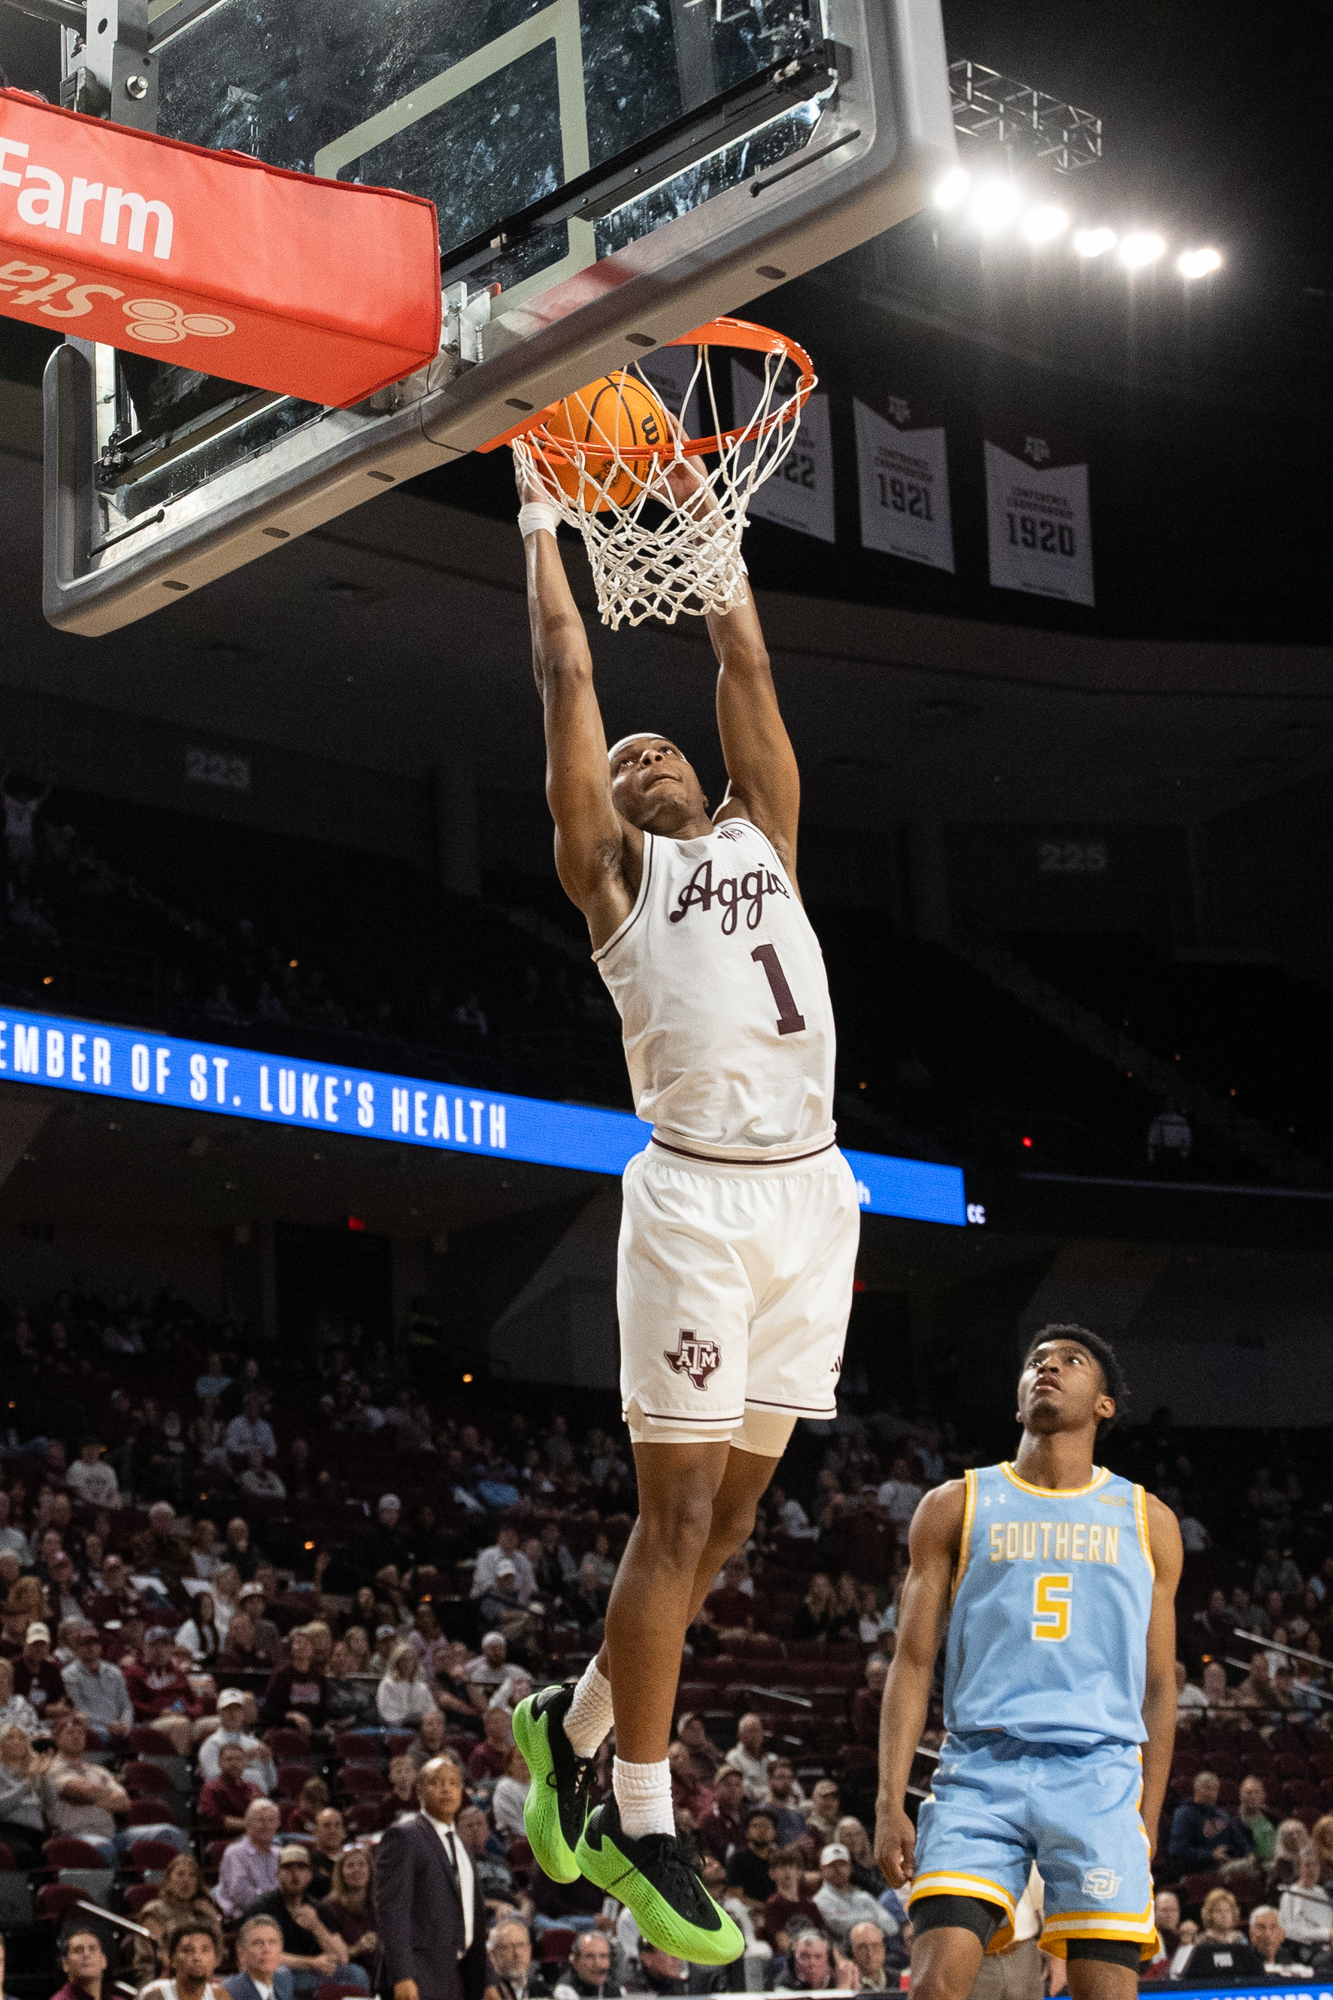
(724, 332)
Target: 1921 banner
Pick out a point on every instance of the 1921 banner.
(903, 478)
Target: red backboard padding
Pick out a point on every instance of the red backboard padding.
(315, 288)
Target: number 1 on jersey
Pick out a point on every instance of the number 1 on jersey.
(789, 1021)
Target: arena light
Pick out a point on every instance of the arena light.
(995, 205)
(1198, 263)
(1141, 248)
(952, 188)
(1094, 242)
(1044, 223)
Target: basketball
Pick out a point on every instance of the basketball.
(616, 409)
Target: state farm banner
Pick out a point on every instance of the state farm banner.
(903, 477)
(1038, 519)
(800, 493)
(313, 288)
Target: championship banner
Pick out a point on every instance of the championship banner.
(1038, 519)
(800, 493)
(903, 477)
(313, 288)
(97, 1060)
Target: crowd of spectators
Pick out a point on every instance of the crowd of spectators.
(248, 1597)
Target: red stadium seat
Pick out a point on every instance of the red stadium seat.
(215, 1850)
(7, 1861)
(64, 1850)
(365, 1781)
(142, 1780)
(364, 1816)
(291, 1777)
(139, 1893)
(144, 1741)
(556, 1945)
(56, 1898)
(400, 1742)
(354, 1749)
(152, 1811)
(289, 1745)
(151, 1856)
(1193, 1888)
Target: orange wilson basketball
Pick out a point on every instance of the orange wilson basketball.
(616, 409)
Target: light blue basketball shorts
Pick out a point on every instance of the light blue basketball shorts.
(998, 1804)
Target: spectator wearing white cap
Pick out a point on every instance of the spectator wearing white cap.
(260, 1768)
(504, 1550)
(36, 1674)
(484, 1674)
(839, 1904)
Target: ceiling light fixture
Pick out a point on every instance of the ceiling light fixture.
(1094, 242)
(995, 205)
(952, 187)
(1044, 223)
(1141, 248)
(1198, 263)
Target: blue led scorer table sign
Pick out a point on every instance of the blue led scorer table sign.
(102, 1061)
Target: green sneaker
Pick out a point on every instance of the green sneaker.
(559, 1795)
(656, 1880)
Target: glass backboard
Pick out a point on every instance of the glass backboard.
(607, 174)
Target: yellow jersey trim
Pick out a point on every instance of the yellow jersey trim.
(952, 1881)
(965, 1539)
(1100, 1477)
(1141, 1517)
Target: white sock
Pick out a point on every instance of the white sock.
(643, 1794)
(588, 1723)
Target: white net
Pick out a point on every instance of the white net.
(662, 527)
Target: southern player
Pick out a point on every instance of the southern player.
(740, 1224)
(1056, 1581)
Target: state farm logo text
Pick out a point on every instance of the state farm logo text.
(60, 296)
(730, 893)
(44, 205)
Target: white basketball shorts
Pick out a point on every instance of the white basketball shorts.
(733, 1288)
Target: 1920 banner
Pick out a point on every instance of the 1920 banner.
(103, 1061)
(1037, 511)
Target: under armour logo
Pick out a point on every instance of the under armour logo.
(1037, 450)
(162, 323)
(899, 410)
(694, 1357)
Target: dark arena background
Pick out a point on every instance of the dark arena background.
(312, 1106)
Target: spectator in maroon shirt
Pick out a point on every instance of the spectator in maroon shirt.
(37, 1677)
(723, 1826)
(83, 1962)
(161, 1693)
(400, 1801)
(491, 1755)
(223, 1800)
(297, 1694)
(788, 1909)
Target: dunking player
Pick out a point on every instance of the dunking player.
(1057, 1582)
(740, 1223)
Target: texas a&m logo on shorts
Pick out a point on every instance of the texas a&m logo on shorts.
(694, 1357)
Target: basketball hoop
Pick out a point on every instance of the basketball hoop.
(662, 522)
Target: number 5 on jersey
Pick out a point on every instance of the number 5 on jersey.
(1050, 1606)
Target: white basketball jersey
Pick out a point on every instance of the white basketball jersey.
(720, 984)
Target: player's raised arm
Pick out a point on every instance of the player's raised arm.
(756, 748)
(1159, 1693)
(597, 855)
(937, 1527)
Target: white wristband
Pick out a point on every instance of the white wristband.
(534, 514)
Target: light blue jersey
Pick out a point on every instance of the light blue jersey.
(1048, 1633)
(1043, 1698)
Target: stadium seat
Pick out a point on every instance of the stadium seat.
(65, 1850)
(359, 1781)
(143, 1780)
(291, 1777)
(150, 1856)
(364, 1816)
(1193, 1888)
(139, 1893)
(353, 1749)
(16, 1905)
(144, 1741)
(153, 1811)
(400, 1742)
(6, 1857)
(290, 1746)
(556, 1944)
(214, 1851)
(55, 1898)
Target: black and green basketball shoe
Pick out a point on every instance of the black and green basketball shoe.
(657, 1879)
(560, 1793)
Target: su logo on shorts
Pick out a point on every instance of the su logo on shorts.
(694, 1357)
(1100, 1883)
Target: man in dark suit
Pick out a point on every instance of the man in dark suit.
(429, 1914)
